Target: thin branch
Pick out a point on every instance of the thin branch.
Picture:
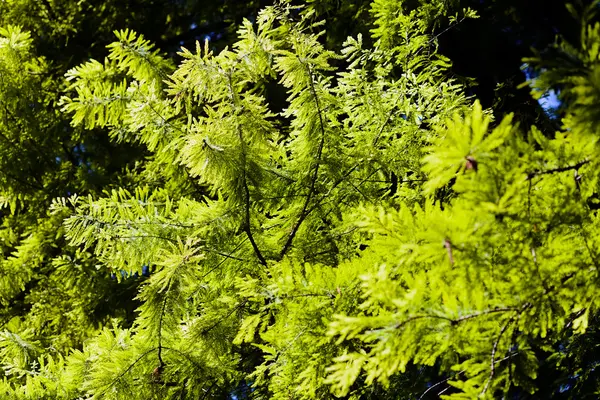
(336, 184)
(182, 391)
(417, 317)
(460, 319)
(387, 181)
(162, 223)
(133, 49)
(385, 123)
(336, 236)
(493, 358)
(224, 254)
(319, 202)
(229, 314)
(246, 227)
(185, 355)
(447, 29)
(529, 201)
(492, 311)
(357, 189)
(513, 345)
(533, 174)
(122, 374)
(460, 373)
(280, 175)
(440, 383)
(207, 392)
(161, 363)
(144, 237)
(248, 232)
(155, 111)
(313, 181)
(441, 392)
(285, 196)
(221, 263)
(452, 26)
(294, 296)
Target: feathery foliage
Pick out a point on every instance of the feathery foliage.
(378, 235)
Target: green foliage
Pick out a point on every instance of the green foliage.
(381, 226)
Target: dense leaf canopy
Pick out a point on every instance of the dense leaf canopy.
(247, 200)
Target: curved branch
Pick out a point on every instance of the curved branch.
(246, 226)
(311, 191)
(493, 358)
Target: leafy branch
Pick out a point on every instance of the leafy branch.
(317, 163)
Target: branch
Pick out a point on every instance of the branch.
(160, 323)
(246, 227)
(320, 200)
(224, 254)
(385, 123)
(494, 349)
(460, 373)
(417, 317)
(441, 382)
(130, 223)
(388, 181)
(122, 374)
(184, 355)
(434, 38)
(460, 319)
(143, 56)
(144, 237)
(229, 256)
(213, 326)
(300, 295)
(492, 311)
(164, 120)
(533, 174)
(161, 363)
(305, 211)
(218, 265)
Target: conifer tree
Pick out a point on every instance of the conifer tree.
(52, 294)
(378, 235)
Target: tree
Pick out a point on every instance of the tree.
(44, 157)
(378, 235)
